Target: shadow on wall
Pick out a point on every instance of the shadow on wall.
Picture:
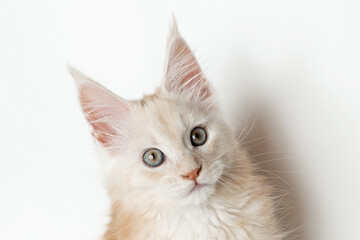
(268, 148)
(251, 98)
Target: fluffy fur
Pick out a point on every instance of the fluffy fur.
(157, 203)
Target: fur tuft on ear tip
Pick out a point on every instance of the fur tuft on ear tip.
(174, 31)
(78, 76)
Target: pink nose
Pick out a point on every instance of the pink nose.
(192, 175)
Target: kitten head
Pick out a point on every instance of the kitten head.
(169, 146)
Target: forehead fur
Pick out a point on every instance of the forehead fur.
(168, 111)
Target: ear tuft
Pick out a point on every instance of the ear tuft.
(78, 76)
(174, 31)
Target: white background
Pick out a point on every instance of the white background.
(299, 60)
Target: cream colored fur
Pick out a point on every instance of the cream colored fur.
(157, 203)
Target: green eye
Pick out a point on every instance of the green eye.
(153, 157)
(198, 136)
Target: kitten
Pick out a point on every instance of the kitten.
(173, 167)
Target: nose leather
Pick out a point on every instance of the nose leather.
(193, 174)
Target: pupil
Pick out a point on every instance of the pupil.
(197, 136)
(152, 156)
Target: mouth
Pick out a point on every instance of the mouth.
(197, 187)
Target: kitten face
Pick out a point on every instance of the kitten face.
(165, 123)
(126, 130)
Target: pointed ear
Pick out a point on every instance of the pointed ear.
(103, 110)
(183, 74)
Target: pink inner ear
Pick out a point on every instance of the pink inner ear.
(103, 110)
(184, 73)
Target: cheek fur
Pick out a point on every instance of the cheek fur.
(153, 176)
